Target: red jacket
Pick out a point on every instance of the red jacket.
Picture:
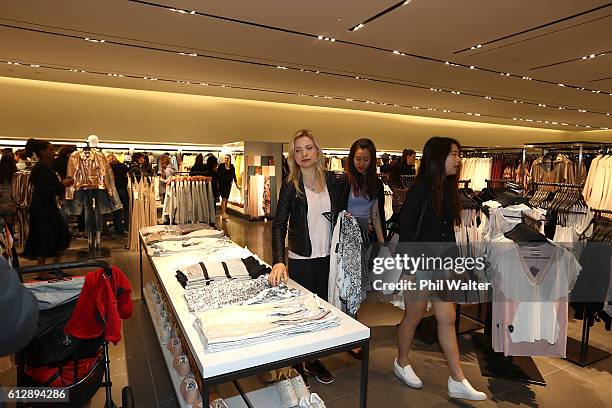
(102, 304)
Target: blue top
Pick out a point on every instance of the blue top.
(359, 206)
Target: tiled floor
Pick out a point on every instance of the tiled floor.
(137, 360)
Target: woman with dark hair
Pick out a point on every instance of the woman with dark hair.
(49, 234)
(212, 165)
(362, 192)
(227, 176)
(198, 168)
(431, 210)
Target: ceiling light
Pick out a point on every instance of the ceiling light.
(93, 40)
(472, 67)
(190, 54)
(320, 37)
(396, 52)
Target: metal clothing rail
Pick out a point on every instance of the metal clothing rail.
(566, 185)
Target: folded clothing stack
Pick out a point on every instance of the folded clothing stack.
(246, 268)
(222, 293)
(156, 237)
(243, 325)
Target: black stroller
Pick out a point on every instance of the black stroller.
(60, 355)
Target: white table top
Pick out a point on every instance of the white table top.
(213, 364)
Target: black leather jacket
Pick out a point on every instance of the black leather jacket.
(292, 210)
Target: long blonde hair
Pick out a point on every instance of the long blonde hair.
(295, 173)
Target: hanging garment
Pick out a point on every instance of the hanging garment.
(530, 297)
(143, 209)
(21, 192)
(348, 267)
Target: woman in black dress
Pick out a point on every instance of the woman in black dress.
(226, 175)
(49, 234)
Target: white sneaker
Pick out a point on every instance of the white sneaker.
(304, 403)
(407, 375)
(464, 390)
(286, 392)
(165, 333)
(316, 401)
(299, 386)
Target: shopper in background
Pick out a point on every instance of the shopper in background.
(49, 234)
(212, 167)
(431, 210)
(306, 195)
(166, 172)
(8, 207)
(226, 175)
(121, 217)
(405, 167)
(21, 160)
(386, 167)
(140, 165)
(362, 192)
(198, 168)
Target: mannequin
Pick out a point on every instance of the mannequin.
(93, 190)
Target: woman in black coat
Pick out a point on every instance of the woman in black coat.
(431, 210)
(226, 175)
(49, 234)
(306, 200)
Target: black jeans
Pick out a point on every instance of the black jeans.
(313, 274)
(121, 218)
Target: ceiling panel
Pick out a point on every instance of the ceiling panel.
(428, 28)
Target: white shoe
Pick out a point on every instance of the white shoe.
(299, 386)
(464, 390)
(304, 403)
(165, 333)
(316, 401)
(407, 375)
(286, 392)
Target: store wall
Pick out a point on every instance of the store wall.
(68, 111)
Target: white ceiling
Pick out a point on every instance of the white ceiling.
(428, 28)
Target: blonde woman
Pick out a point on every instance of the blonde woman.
(307, 199)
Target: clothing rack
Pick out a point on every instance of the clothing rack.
(571, 147)
(566, 185)
(580, 352)
(465, 183)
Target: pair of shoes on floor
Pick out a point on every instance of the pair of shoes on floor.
(163, 318)
(189, 389)
(293, 392)
(181, 365)
(165, 333)
(218, 403)
(456, 389)
(318, 370)
(175, 347)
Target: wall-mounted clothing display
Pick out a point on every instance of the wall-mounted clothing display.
(476, 169)
(556, 168)
(598, 185)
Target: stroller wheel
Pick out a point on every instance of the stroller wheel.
(127, 398)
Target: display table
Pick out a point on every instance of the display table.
(226, 366)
